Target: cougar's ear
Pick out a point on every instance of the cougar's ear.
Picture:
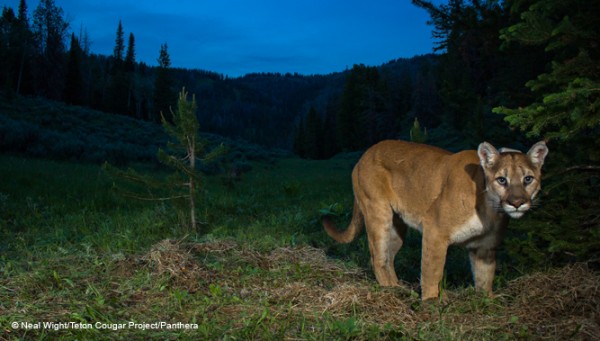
(488, 155)
(538, 153)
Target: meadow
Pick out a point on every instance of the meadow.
(80, 261)
(260, 268)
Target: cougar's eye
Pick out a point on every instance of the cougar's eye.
(528, 179)
(502, 181)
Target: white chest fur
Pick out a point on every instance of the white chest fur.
(473, 227)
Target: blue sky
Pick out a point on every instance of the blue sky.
(235, 37)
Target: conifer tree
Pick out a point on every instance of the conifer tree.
(568, 95)
(362, 116)
(130, 55)
(24, 37)
(416, 135)
(22, 13)
(186, 149)
(121, 81)
(163, 93)
(119, 44)
(473, 74)
(129, 69)
(15, 50)
(350, 131)
(7, 23)
(184, 154)
(49, 30)
(74, 82)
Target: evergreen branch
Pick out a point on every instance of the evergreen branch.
(213, 154)
(173, 162)
(131, 176)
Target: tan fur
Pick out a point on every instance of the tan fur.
(451, 198)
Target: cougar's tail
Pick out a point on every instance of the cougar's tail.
(356, 225)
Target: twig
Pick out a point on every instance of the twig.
(153, 199)
(581, 168)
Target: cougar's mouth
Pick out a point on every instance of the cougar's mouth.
(515, 212)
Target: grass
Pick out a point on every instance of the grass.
(261, 268)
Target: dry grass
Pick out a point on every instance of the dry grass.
(291, 292)
(175, 260)
(559, 304)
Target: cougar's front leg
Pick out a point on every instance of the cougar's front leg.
(483, 266)
(433, 259)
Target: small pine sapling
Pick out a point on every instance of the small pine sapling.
(183, 153)
(416, 135)
(185, 149)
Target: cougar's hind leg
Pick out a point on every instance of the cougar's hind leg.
(397, 237)
(384, 243)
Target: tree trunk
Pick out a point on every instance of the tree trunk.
(192, 160)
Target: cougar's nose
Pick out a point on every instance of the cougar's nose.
(516, 203)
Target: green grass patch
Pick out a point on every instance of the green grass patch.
(260, 268)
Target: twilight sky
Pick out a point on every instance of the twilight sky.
(235, 37)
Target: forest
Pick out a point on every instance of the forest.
(510, 72)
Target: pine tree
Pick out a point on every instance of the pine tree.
(350, 132)
(568, 96)
(22, 13)
(73, 93)
(129, 68)
(24, 38)
(184, 154)
(164, 60)
(130, 55)
(163, 93)
(7, 24)
(49, 31)
(471, 77)
(119, 44)
(121, 82)
(187, 149)
(416, 135)
(363, 118)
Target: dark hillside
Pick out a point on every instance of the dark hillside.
(53, 130)
(269, 108)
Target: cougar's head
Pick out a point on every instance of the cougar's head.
(513, 179)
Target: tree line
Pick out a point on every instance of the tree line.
(495, 60)
(38, 62)
(505, 71)
(371, 104)
(45, 57)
